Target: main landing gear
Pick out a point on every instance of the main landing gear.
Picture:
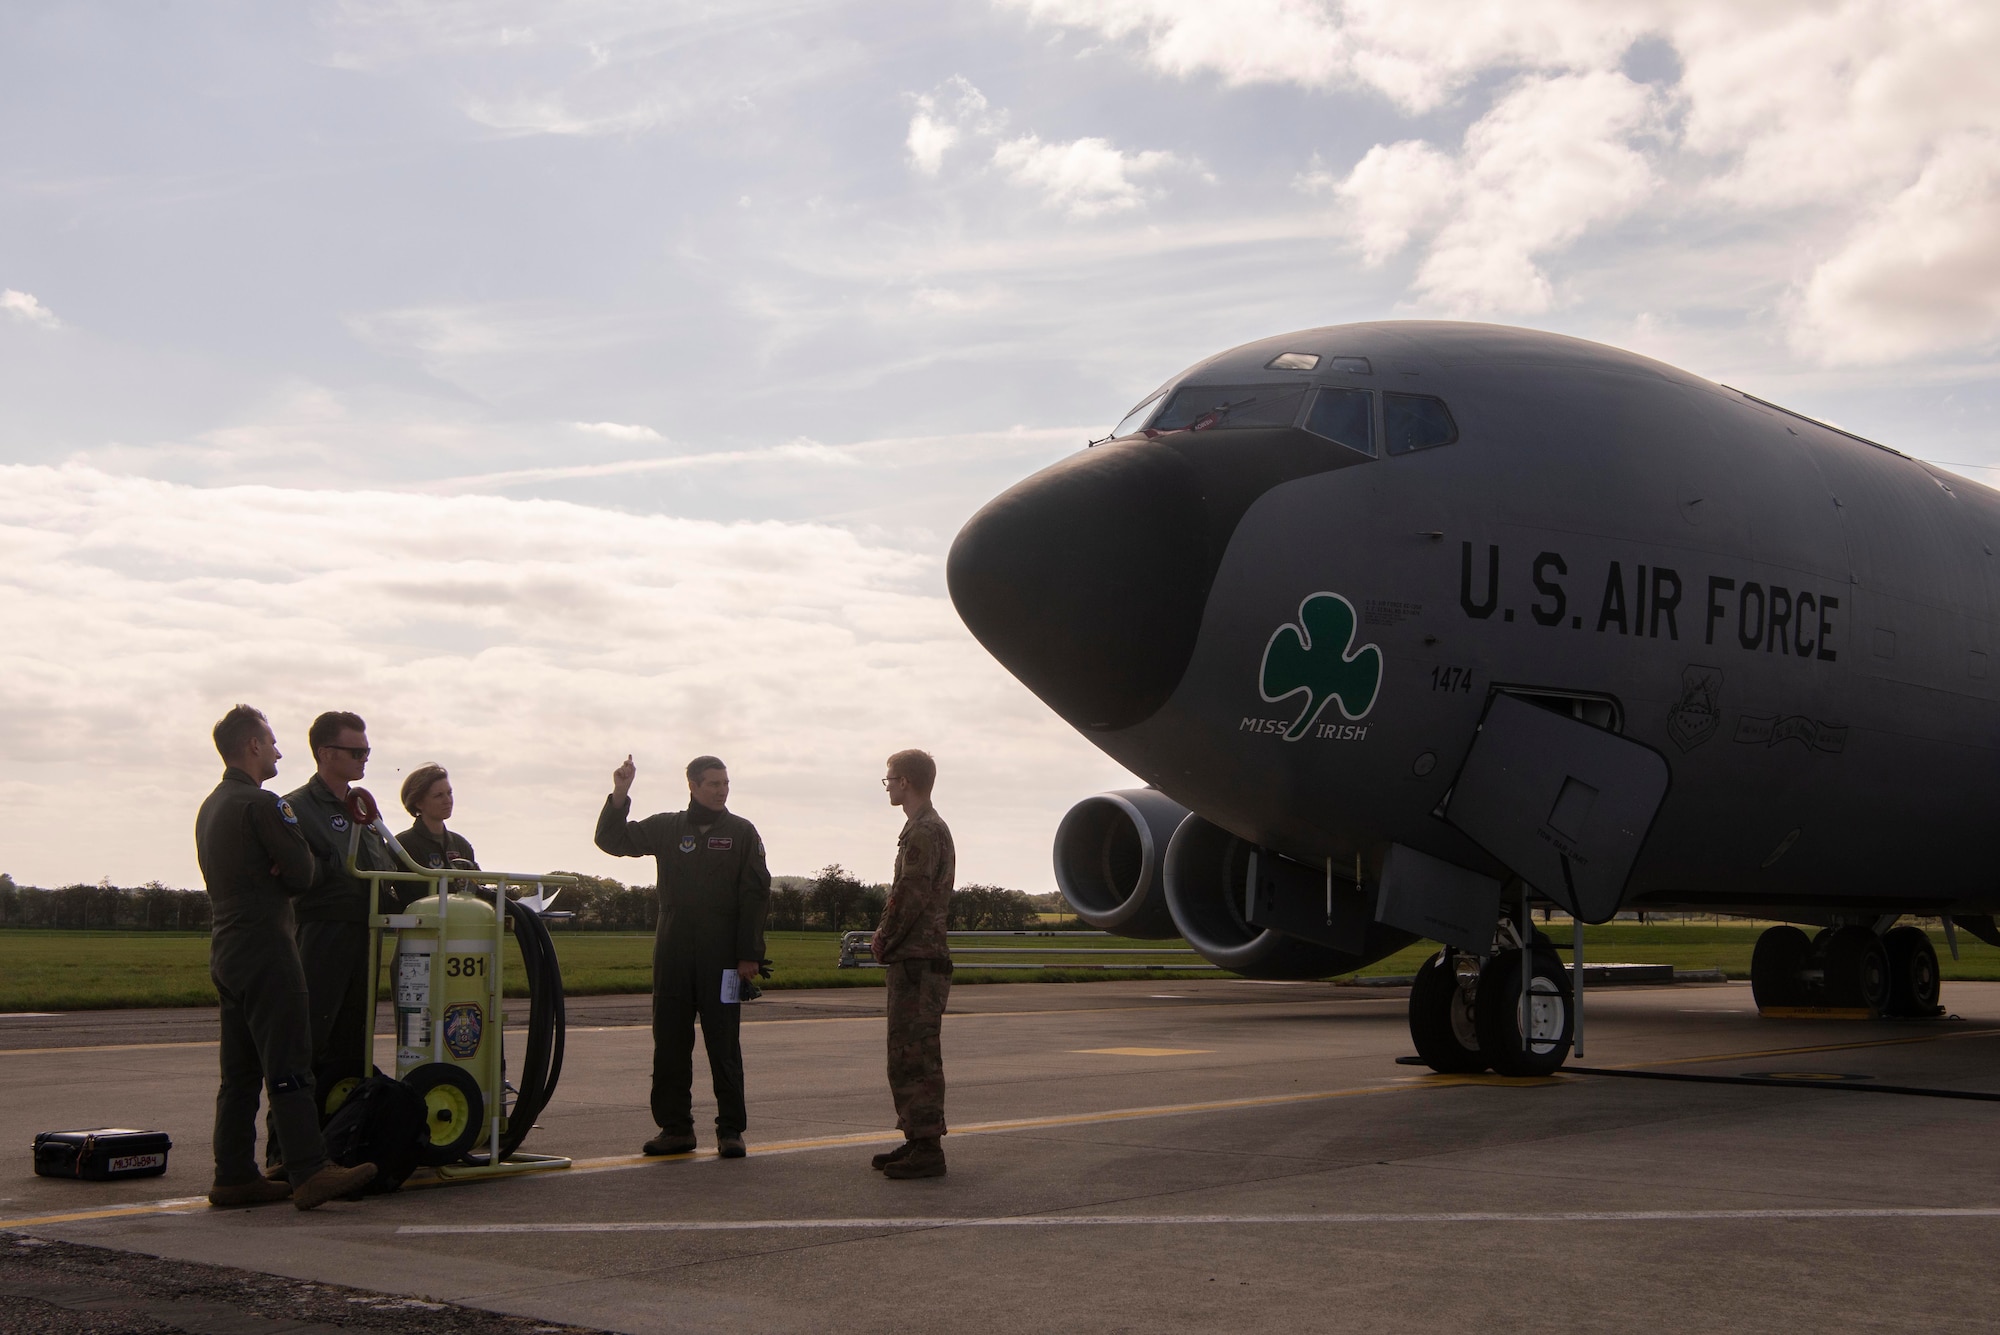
(1470, 1013)
(1850, 968)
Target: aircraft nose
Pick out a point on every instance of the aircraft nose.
(1087, 580)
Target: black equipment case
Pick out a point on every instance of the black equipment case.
(106, 1154)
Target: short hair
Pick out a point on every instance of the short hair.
(701, 765)
(238, 728)
(418, 785)
(329, 726)
(916, 768)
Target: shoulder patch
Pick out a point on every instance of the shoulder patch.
(687, 843)
(720, 843)
(285, 810)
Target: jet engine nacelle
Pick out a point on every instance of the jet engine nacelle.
(1110, 852)
(1206, 873)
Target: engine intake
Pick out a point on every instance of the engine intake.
(1207, 869)
(1110, 851)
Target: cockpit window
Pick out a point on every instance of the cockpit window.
(1416, 422)
(1344, 416)
(1135, 419)
(1220, 407)
(1293, 361)
(1351, 365)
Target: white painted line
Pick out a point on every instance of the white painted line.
(1211, 1220)
(30, 1015)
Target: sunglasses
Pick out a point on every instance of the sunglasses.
(358, 752)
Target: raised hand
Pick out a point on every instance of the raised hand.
(621, 778)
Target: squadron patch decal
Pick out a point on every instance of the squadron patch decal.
(687, 843)
(285, 810)
(1317, 655)
(337, 821)
(1694, 717)
(464, 1022)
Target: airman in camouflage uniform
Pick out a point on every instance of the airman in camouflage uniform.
(911, 945)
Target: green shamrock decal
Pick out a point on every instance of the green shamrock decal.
(1317, 656)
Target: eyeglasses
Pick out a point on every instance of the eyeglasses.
(358, 752)
(894, 778)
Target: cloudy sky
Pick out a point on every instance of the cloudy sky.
(548, 381)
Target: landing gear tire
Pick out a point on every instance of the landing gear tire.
(454, 1111)
(1441, 1017)
(1528, 1040)
(1913, 973)
(1855, 969)
(1777, 968)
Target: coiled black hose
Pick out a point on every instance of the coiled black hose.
(547, 1026)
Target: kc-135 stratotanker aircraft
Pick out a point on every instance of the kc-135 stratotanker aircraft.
(1412, 625)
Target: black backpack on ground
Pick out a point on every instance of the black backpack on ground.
(381, 1123)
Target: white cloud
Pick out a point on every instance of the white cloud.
(1921, 274)
(1551, 159)
(23, 306)
(1418, 56)
(1786, 113)
(526, 645)
(619, 430)
(927, 141)
(1084, 177)
(944, 116)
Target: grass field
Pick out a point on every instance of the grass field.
(52, 970)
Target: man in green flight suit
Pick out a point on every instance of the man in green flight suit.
(714, 890)
(255, 860)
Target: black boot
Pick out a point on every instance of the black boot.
(926, 1159)
(897, 1155)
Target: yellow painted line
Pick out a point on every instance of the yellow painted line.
(1143, 1052)
(829, 1019)
(1060, 1120)
(108, 1047)
(619, 1162)
(179, 1205)
(1817, 1047)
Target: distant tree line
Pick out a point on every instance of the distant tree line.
(831, 900)
(151, 906)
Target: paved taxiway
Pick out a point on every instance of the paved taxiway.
(1188, 1156)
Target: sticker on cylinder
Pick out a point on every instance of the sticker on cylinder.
(413, 980)
(463, 1024)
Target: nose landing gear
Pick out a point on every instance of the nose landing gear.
(1470, 1013)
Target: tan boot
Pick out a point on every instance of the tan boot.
(331, 1182)
(257, 1191)
(926, 1159)
(275, 1172)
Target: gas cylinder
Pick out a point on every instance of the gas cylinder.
(446, 1020)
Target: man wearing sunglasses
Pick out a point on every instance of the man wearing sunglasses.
(333, 916)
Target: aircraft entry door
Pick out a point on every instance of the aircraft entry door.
(1566, 806)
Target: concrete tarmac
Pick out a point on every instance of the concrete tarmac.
(1167, 1157)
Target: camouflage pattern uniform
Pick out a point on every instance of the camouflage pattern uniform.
(918, 963)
